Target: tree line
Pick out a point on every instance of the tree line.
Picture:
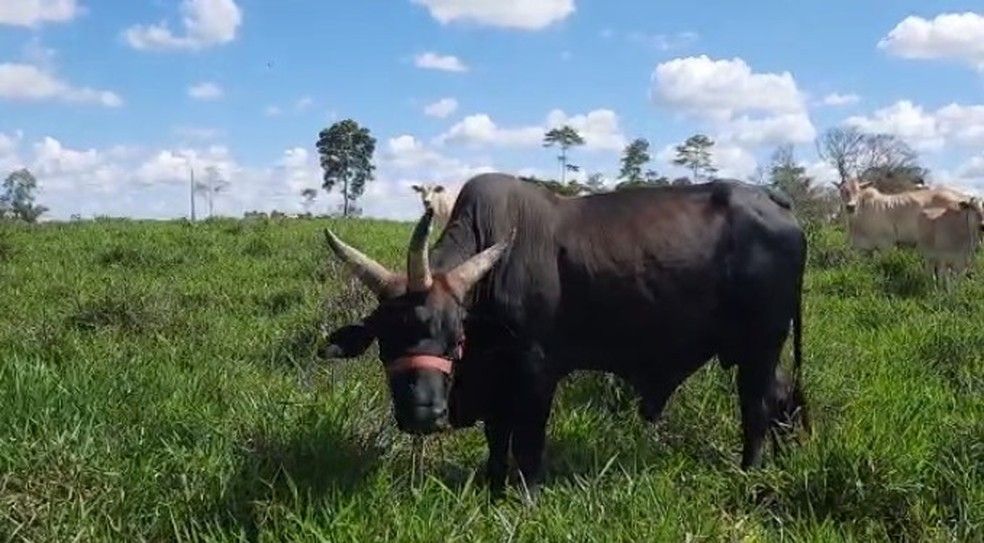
(345, 151)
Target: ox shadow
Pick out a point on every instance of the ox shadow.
(609, 431)
(323, 461)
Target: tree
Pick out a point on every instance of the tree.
(308, 196)
(569, 189)
(214, 184)
(595, 183)
(695, 153)
(811, 202)
(564, 137)
(841, 148)
(653, 178)
(345, 151)
(681, 181)
(634, 157)
(887, 161)
(17, 198)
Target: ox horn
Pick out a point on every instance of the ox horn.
(418, 267)
(373, 275)
(464, 277)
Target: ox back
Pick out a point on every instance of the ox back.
(646, 283)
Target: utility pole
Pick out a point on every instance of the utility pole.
(192, 170)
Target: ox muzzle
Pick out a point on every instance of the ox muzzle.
(421, 385)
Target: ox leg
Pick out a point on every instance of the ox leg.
(497, 434)
(756, 377)
(656, 394)
(530, 432)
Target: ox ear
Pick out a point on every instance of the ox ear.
(439, 189)
(417, 188)
(347, 342)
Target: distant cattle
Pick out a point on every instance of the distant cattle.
(878, 221)
(438, 199)
(949, 236)
(523, 287)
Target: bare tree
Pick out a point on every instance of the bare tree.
(887, 161)
(213, 184)
(841, 148)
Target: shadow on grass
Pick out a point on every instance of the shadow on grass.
(322, 461)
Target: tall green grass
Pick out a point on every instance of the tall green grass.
(159, 381)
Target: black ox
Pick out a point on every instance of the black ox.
(646, 283)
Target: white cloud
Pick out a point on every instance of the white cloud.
(8, 152)
(303, 103)
(480, 129)
(962, 125)
(521, 14)
(744, 109)
(599, 128)
(29, 83)
(174, 166)
(733, 161)
(52, 158)
(206, 23)
(205, 90)
(774, 130)
(719, 89)
(958, 36)
(272, 111)
(434, 61)
(663, 42)
(836, 99)
(441, 108)
(953, 124)
(822, 173)
(33, 13)
(973, 168)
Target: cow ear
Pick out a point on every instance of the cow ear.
(417, 188)
(347, 342)
(439, 189)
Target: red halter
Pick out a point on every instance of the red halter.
(426, 362)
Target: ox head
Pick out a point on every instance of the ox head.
(428, 193)
(850, 191)
(419, 324)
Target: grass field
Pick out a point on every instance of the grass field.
(158, 381)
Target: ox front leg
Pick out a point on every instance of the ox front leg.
(530, 431)
(497, 436)
(755, 381)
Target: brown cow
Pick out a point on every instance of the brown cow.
(878, 221)
(949, 236)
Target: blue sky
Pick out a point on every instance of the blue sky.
(109, 103)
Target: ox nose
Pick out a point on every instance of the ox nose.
(424, 419)
(850, 208)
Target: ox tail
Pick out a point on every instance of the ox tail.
(800, 396)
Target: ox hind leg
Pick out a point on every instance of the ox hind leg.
(757, 391)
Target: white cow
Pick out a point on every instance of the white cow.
(949, 236)
(878, 221)
(439, 199)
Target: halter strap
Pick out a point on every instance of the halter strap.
(426, 361)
